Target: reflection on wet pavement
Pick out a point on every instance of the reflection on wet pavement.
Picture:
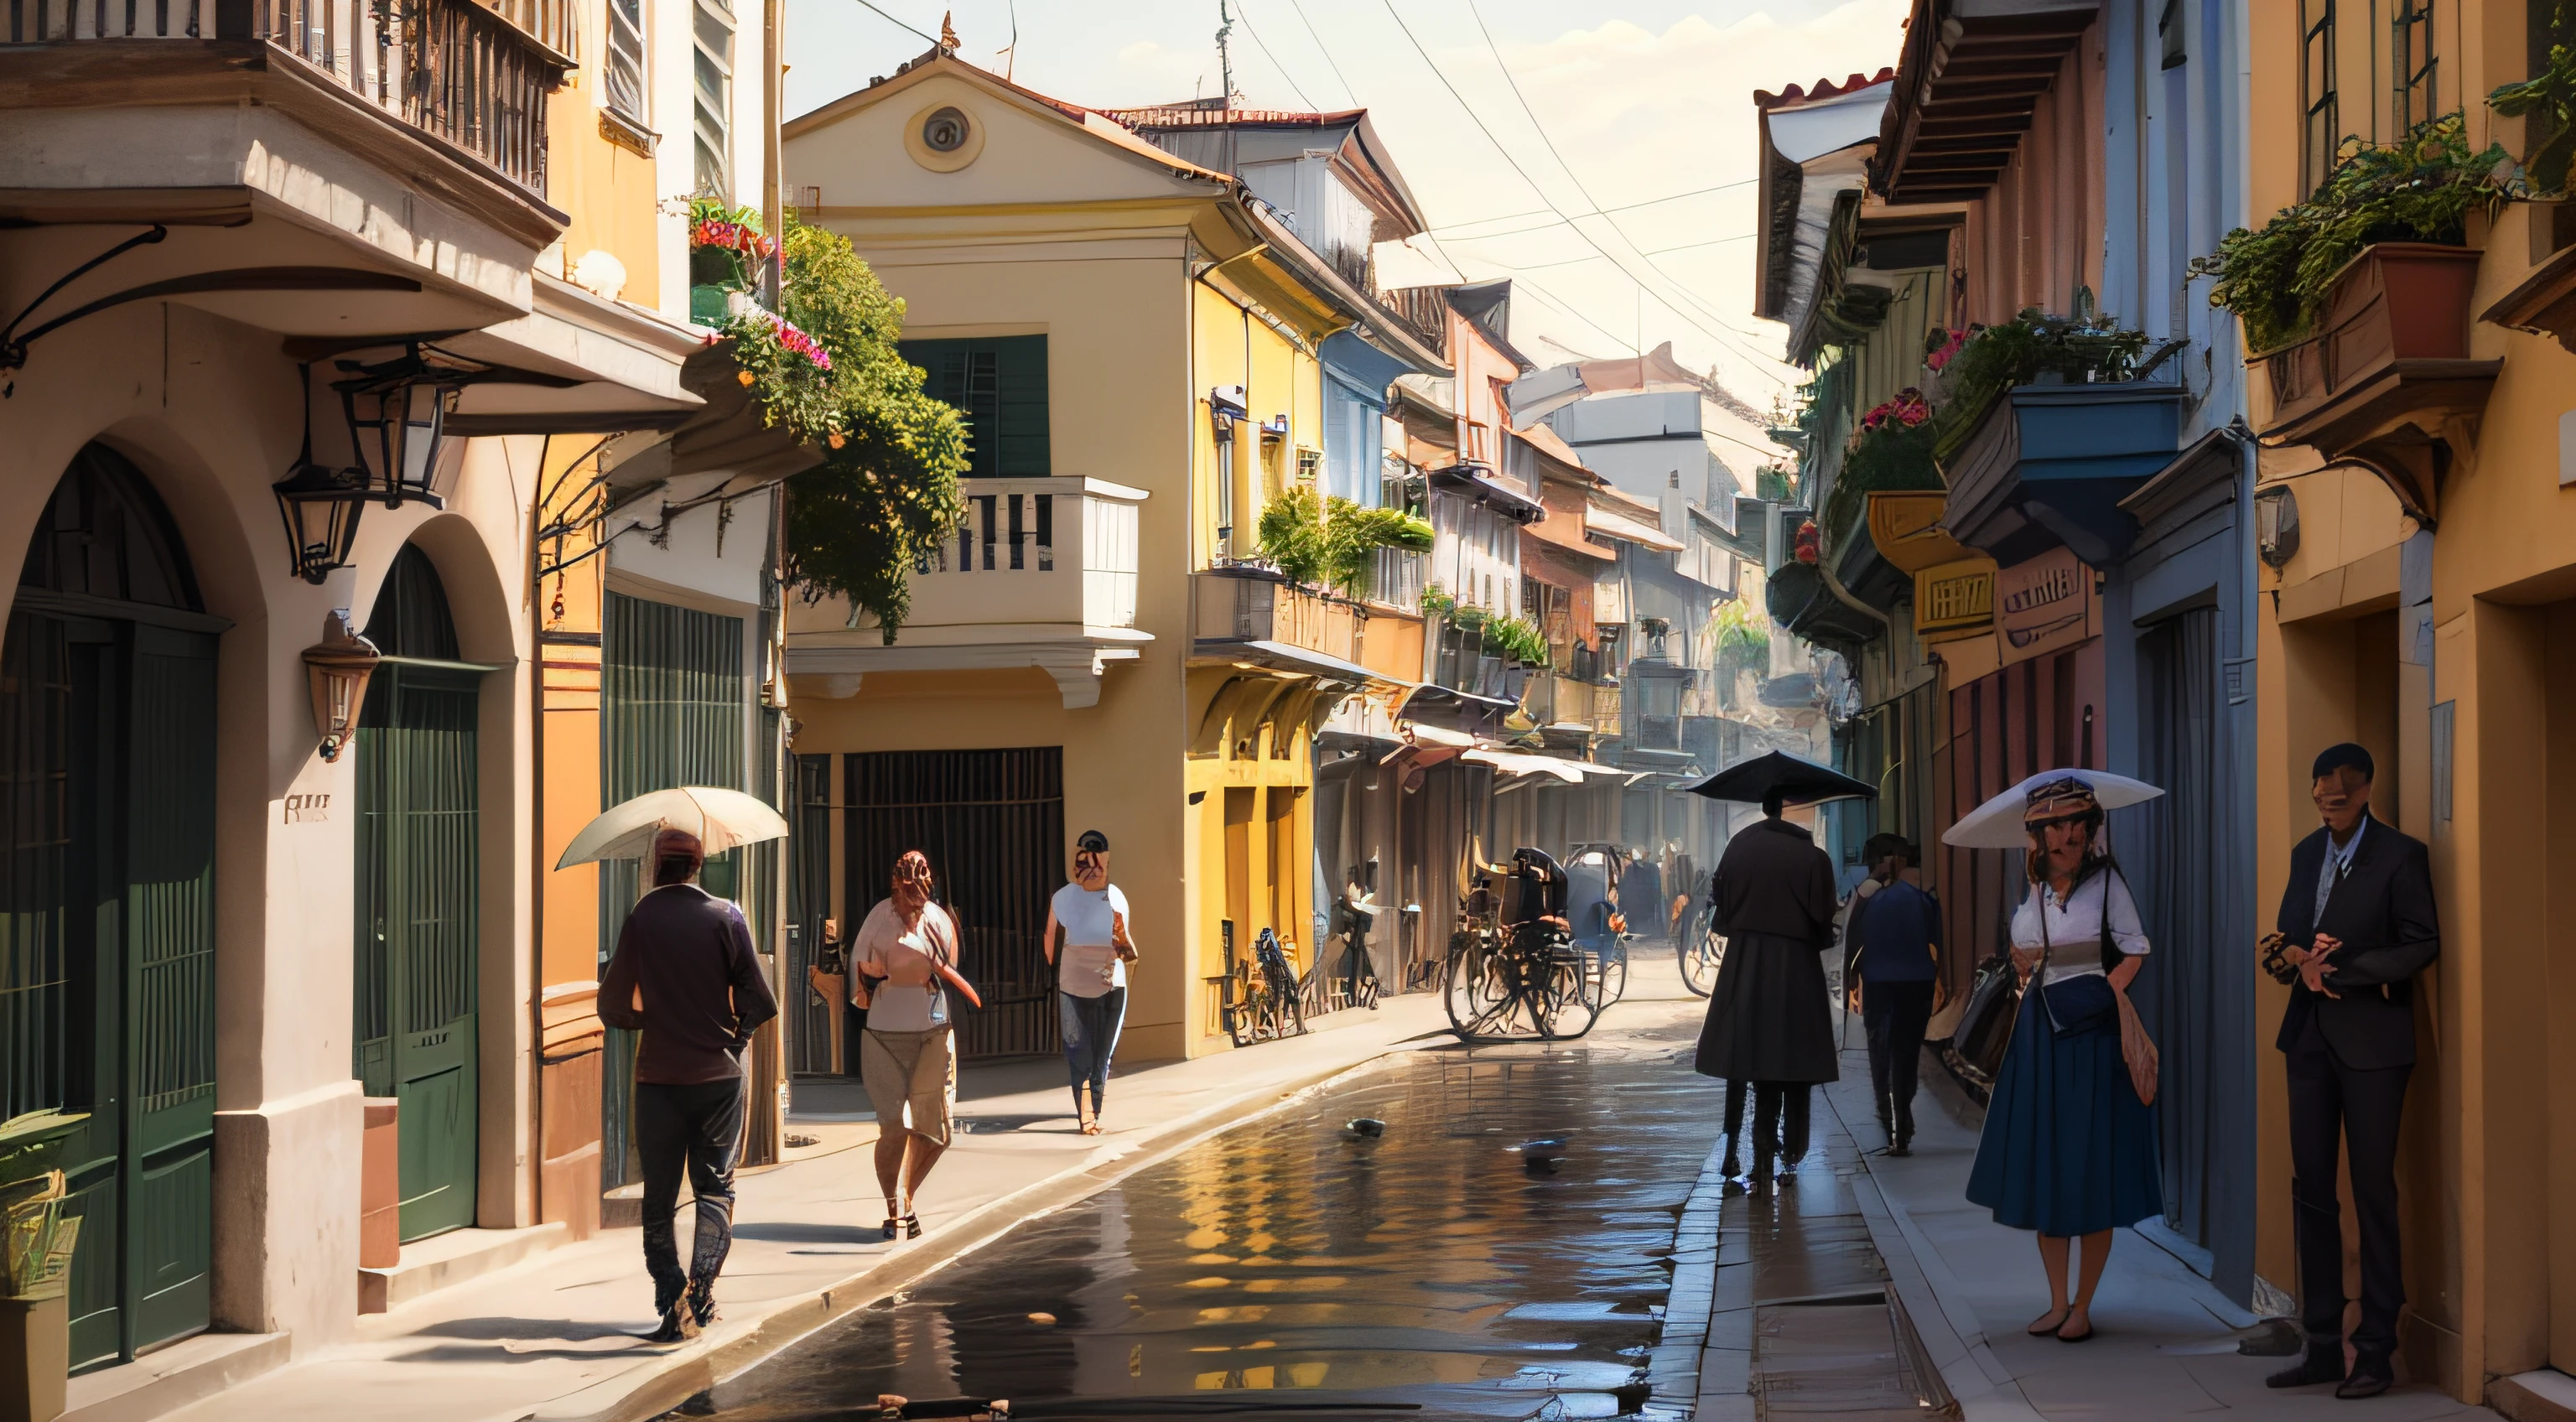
(1292, 1262)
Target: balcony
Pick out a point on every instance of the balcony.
(2386, 382)
(449, 99)
(1042, 573)
(1252, 614)
(2050, 464)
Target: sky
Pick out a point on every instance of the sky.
(1617, 127)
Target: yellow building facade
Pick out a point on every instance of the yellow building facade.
(1135, 348)
(2420, 598)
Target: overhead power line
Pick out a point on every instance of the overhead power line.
(898, 24)
(1243, 15)
(1515, 164)
(1329, 62)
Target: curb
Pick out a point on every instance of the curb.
(656, 1388)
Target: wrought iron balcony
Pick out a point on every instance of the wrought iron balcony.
(472, 79)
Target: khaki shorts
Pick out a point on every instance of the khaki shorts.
(911, 1079)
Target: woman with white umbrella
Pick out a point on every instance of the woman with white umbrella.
(2069, 1148)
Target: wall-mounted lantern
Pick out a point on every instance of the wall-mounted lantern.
(337, 669)
(2276, 525)
(397, 414)
(318, 505)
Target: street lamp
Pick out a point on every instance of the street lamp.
(336, 669)
(318, 505)
(2276, 525)
(397, 415)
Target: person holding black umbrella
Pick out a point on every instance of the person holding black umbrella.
(1769, 1021)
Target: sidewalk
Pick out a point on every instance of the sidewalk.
(555, 1339)
(2166, 1346)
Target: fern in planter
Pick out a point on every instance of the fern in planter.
(2422, 188)
(1334, 541)
(2547, 102)
(2086, 347)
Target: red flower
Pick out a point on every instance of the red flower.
(1808, 546)
(714, 232)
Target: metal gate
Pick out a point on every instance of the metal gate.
(107, 781)
(810, 902)
(672, 713)
(992, 824)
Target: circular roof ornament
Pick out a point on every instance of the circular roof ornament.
(945, 130)
(944, 138)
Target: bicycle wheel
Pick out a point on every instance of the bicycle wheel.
(1613, 972)
(1563, 995)
(1702, 951)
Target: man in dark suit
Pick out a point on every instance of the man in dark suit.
(2358, 922)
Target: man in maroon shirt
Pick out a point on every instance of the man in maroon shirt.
(686, 976)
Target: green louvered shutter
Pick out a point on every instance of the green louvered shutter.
(672, 702)
(170, 974)
(1000, 383)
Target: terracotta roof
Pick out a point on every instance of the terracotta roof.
(1192, 116)
(1825, 89)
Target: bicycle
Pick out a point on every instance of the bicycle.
(1264, 1001)
(1701, 949)
(1529, 980)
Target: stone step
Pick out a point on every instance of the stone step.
(434, 1263)
(167, 1379)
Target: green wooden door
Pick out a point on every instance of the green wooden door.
(417, 904)
(107, 847)
(110, 729)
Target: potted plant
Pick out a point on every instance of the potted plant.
(1976, 367)
(1891, 450)
(1333, 542)
(727, 251)
(2389, 227)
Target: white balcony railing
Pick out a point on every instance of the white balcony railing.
(1034, 551)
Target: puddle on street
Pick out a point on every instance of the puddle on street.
(1288, 1268)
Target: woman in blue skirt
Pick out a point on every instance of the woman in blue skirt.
(2069, 1150)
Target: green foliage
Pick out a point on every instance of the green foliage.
(1436, 602)
(1885, 459)
(2421, 188)
(1334, 541)
(2085, 347)
(886, 493)
(1738, 625)
(2547, 102)
(1517, 639)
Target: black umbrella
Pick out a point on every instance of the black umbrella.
(1803, 781)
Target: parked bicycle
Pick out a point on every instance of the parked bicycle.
(1701, 949)
(1522, 977)
(1263, 997)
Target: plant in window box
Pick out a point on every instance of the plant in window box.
(2034, 347)
(1891, 450)
(2547, 103)
(2277, 278)
(1333, 541)
(727, 251)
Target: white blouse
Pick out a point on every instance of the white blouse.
(2075, 926)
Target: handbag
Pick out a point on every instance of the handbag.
(1986, 1022)
(2137, 1049)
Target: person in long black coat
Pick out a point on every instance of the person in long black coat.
(1768, 1018)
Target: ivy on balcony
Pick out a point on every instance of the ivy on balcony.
(825, 368)
(1892, 450)
(1333, 542)
(1978, 365)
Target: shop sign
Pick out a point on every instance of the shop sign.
(2044, 605)
(1954, 600)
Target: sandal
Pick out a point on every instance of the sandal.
(891, 1225)
(2041, 1327)
(911, 1227)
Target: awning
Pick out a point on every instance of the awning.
(1559, 533)
(1613, 525)
(1513, 763)
(1283, 657)
(618, 368)
(1440, 736)
(1477, 482)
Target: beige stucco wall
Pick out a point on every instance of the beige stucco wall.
(207, 409)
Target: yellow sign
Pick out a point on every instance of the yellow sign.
(2044, 605)
(1954, 600)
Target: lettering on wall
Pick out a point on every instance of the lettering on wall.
(307, 809)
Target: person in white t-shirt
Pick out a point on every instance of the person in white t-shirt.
(1087, 942)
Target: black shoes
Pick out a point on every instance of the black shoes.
(2370, 1377)
(679, 1324)
(2323, 1364)
(702, 1302)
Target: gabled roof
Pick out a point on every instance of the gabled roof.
(1358, 153)
(1099, 126)
(1814, 149)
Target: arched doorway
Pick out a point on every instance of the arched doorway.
(107, 932)
(417, 894)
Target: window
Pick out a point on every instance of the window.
(2169, 30)
(2410, 62)
(1353, 444)
(624, 79)
(1000, 384)
(713, 108)
(2317, 91)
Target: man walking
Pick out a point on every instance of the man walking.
(1768, 1019)
(2358, 922)
(1893, 959)
(686, 976)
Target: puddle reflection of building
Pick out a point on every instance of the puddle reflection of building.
(1106, 1362)
(993, 1347)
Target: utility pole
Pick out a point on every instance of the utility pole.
(1224, 59)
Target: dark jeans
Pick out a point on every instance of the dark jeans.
(2333, 1104)
(697, 1127)
(1090, 1028)
(1896, 1014)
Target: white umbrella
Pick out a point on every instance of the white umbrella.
(720, 819)
(1996, 824)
